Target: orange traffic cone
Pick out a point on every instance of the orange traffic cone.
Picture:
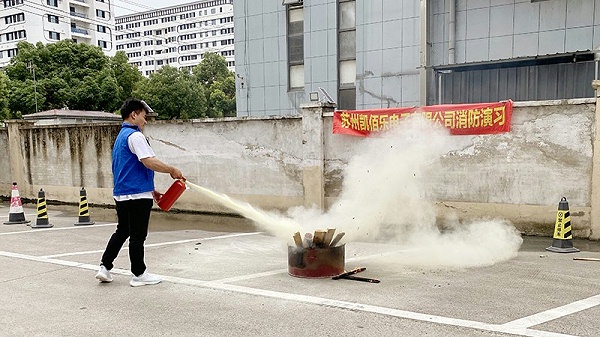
(42, 212)
(16, 215)
(563, 238)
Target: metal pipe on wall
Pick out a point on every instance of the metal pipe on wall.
(452, 32)
(424, 52)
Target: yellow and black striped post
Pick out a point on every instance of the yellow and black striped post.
(84, 211)
(42, 212)
(563, 238)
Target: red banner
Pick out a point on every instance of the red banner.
(461, 119)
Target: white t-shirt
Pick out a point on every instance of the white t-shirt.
(138, 144)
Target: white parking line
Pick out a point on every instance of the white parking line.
(57, 229)
(555, 313)
(516, 329)
(155, 244)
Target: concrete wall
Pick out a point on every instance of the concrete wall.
(258, 160)
(4, 159)
(281, 162)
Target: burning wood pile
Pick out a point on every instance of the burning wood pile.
(320, 239)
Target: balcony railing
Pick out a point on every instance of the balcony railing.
(82, 3)
(79, 31)
(81, 15)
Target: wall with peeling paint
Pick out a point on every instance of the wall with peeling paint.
(4, 159)
(258, 160)
(519, 176)
(547, 155)
(71, 155)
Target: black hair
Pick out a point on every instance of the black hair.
(130, 105)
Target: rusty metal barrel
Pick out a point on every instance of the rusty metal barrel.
(316, 262)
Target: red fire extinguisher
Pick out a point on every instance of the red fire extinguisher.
(167, 200)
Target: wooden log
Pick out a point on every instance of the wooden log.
(328, 237)
(318, 238)
(298, 239)
(337, 239)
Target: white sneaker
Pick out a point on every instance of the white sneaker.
(145, 279)
(104, 275)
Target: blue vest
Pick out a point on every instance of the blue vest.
(130, 176)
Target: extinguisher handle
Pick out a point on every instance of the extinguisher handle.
(156, 195)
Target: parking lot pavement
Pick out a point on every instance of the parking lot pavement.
(221, 276)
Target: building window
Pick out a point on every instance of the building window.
(52, 18)
(12, 52)
(53, 35)
(100, 13)
(53, 3)
(102, 44)
(346, 55)
(102, 29)
(14, 18)
(295, 39)
(10, 3)
(20, 34)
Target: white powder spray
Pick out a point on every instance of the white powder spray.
(383, 199)
(275, 224)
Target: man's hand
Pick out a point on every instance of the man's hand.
(176, 174)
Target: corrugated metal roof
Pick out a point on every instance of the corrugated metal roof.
(576, 56)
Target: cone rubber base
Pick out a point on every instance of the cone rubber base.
(42, 226)
(84, 223)
(17, 222)
(562, 250)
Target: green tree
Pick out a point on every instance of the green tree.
(68, 74)
(212, 68)
(21, 98)
(222, 98)
(219, 83)
(173, 94)
(4, 92)
(127, 75)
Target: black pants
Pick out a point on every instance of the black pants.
(133, 216)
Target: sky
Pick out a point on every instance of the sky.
(124, 7)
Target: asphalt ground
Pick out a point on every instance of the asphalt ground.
(222, 277)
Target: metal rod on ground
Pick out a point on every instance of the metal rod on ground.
(353, 271)
(363, 279)
(586, 259)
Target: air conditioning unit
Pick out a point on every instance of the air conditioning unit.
(292, 2)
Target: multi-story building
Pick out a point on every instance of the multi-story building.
(177, 35)
(83, 21)
(399, 53)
